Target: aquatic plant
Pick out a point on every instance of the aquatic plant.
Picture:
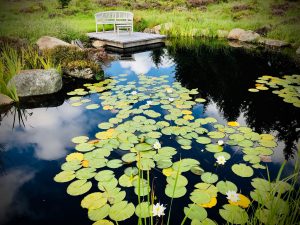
(10, 65)
(289, 84)
(136, 131)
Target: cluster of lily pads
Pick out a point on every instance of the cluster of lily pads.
(287, 87)
(145, 112)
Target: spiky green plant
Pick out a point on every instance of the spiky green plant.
(10, 65)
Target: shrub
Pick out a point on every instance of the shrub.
(82, 64)
(64, 3)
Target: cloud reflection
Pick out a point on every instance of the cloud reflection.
(49, 129)
(143, 63)
(9, 187)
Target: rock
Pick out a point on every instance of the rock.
(249, 36)
(5, 100)
(205, 32)
(85, 73)
(275, 43)
(238, 44)
(235, 33)
(97, 44)
(47, 42)
(167, 26)
(298, 51)
(37, 82)
(157, 29)
(222, 33)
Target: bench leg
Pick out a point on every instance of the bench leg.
(96, 28)
(103, 27)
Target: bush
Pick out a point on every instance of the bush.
(64, 3)
(82, 64)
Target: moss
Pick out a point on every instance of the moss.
(83, 64)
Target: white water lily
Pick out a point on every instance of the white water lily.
(169, 90)
(158, 210)
(220, 142)
(232, 196)
(221, 160)
(156, 145)
(149, 102)
(171, 99)
(133, 92)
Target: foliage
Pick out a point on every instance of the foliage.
(137, 130)
(82, 64)
(64, 3)
(76, 20)
(10, 65)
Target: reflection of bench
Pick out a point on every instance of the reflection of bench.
(115, 18)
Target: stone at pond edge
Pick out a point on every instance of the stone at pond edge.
(97, 44)
(235, 33)
(47, 42)
(37, 82)
(85, 73)
(5, 100)
(275, 43)
(249, 36)
(298, 51)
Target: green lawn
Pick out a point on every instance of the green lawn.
(32, 18)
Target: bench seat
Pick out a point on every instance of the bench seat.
(114, 18)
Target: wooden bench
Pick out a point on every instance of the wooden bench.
(115, 18)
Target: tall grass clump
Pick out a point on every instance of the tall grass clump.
(10, 65)
(278, 202)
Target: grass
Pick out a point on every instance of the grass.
(76, 20)
(12, 61)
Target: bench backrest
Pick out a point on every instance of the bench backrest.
(111, 16)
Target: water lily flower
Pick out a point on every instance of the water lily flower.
(149, 102)
(232, 196)
(133, 92)
(156, 145)
(220, 142)
(158, 210)
(171, 99)
(221, 160)
(169, 90)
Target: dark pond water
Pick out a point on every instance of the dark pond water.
(35, 137)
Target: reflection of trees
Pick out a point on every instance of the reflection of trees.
(224, 76)
(156, 55)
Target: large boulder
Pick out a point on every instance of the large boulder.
(5, 100)
(249, 36)
(37, 82)
(47, 42)
(235, 33)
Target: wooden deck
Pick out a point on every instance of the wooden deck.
(126, 40)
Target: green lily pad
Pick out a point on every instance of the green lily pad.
(178, 191)
(92, 106)
(93, 201)
(64, 176)
(121, 211)
(143, 147)
(99, 213)
(225, 186)
(195, 212)
(79, 187)
(84, 147)
(234, 214)
(203, 140)
(85, 173)
(216, 135)
(80, 139)
(209, 177)
(143, 210)
(242, 170)
(103, 222)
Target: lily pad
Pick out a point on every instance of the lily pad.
(79, 187)
(242, 170)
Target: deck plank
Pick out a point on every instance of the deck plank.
(126, 40)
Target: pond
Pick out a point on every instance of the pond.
(173, 105)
